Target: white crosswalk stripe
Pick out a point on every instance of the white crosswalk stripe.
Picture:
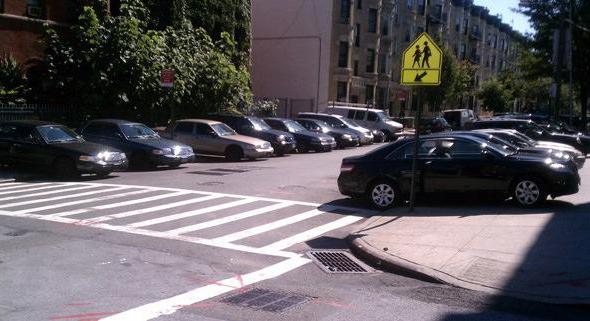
(261, 217)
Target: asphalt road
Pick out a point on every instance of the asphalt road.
(178, 244)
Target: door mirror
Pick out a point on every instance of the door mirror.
(212, 134)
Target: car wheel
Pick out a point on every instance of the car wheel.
(140, 161)
(64, 168)
(234, 154)
(383, 194)
(528, 192)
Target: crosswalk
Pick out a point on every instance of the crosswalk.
(243, 223)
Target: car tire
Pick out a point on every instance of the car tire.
(234, 154)
(64, 168)
(383, 194)
(140, 161)
(528, 192)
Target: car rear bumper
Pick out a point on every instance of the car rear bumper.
(351, 185)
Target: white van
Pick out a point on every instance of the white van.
(374, 119)
(459, 118)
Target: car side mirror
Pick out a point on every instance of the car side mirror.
(212, 134)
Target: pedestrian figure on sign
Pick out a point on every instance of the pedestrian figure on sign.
(427, 54)
(417, 56)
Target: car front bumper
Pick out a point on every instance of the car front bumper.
(354, 141)
(258, 152)
(284, 147)
(323, 146)
(102, 167)
(565, 184)
(366, 140)
(172, 159)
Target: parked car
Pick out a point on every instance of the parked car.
(344, 137)
(211, 137)
(534, 131)
(454, 165)
(338, 121)
(525, 142)
(493, 137)
(373, 119)
(539, 118)
(282, 142)
(144, 147)
(459, 118)
(306, 140)
(54, 147)
(430, 125)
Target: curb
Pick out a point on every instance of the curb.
(399, 265)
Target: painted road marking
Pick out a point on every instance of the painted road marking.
(169, 306)
(6, 180)
(269, 226)
(149, 209)
(229, 219)
(57, 198)
(192, 213)
(10, 186)
(44, 193)
(142, 200)
(314, 232)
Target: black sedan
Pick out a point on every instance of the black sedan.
(454, 165)
(306, 140)
(536, 132)
(282, 142)
(54, 147)
(144, 147)
(344, 137)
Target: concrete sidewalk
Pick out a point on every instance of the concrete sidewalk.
(535, 256)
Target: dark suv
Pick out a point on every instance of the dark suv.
(282, 142)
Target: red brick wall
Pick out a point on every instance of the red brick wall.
(22, 38)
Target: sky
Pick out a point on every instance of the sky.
(518, 21)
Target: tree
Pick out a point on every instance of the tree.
(545, 16)
(495, 97)
(110, 66)
(13, 82)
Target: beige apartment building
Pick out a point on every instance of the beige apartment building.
(310, 54)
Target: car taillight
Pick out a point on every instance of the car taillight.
(346, 168)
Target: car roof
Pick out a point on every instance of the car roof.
(28, 123)
(277, 119)
(198, 120)
(505, 120)
(355, 108)
(114, 121)
(456, 110)
(322, 114)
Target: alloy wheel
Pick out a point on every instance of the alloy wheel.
(383, 195)
(527, 192)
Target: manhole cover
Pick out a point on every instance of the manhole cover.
(208, 173)
(338, 261)
(229, 170)
(266, 300)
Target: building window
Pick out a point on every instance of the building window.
(421, 7)
(462, 51)
(419, 31)
(370, 60)
(344, 11)
(354, 99)
(466, 26)
(35, 8)
(408, 36)
(343, 54)
(341, 91)
(385, 26)
(359, 4)
(458, 24)
(1, 6)
(410, 4)
(369, 94)
(357, 35)
(355, 68)
(493, 62)
(383, 63)
(372, 20)
(382, 97)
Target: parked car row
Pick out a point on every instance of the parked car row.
(106, 145)
(507, 157)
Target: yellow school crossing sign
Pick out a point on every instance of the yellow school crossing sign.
(422, 63)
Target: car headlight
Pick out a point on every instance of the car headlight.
(578, 140)
(163, 151)
(281, 138)
(347, 137)
(177, 150)
(557, 166)
(86, 158)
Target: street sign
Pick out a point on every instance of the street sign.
(422, 63)
(167, 78)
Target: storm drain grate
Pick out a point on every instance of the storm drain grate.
(338, 261)
(266, 300)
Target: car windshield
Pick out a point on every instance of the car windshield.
(348, 122)
(137, 131)
(508, 147)
(58, 134)
(498, 148)
(323, 125)
(294, 126)
(258, 123)
(514, 139)
(383, 116)
(223, 130)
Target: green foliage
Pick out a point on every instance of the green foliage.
(264, 108)
(110, 66)
(494, 95)
(13, 82)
